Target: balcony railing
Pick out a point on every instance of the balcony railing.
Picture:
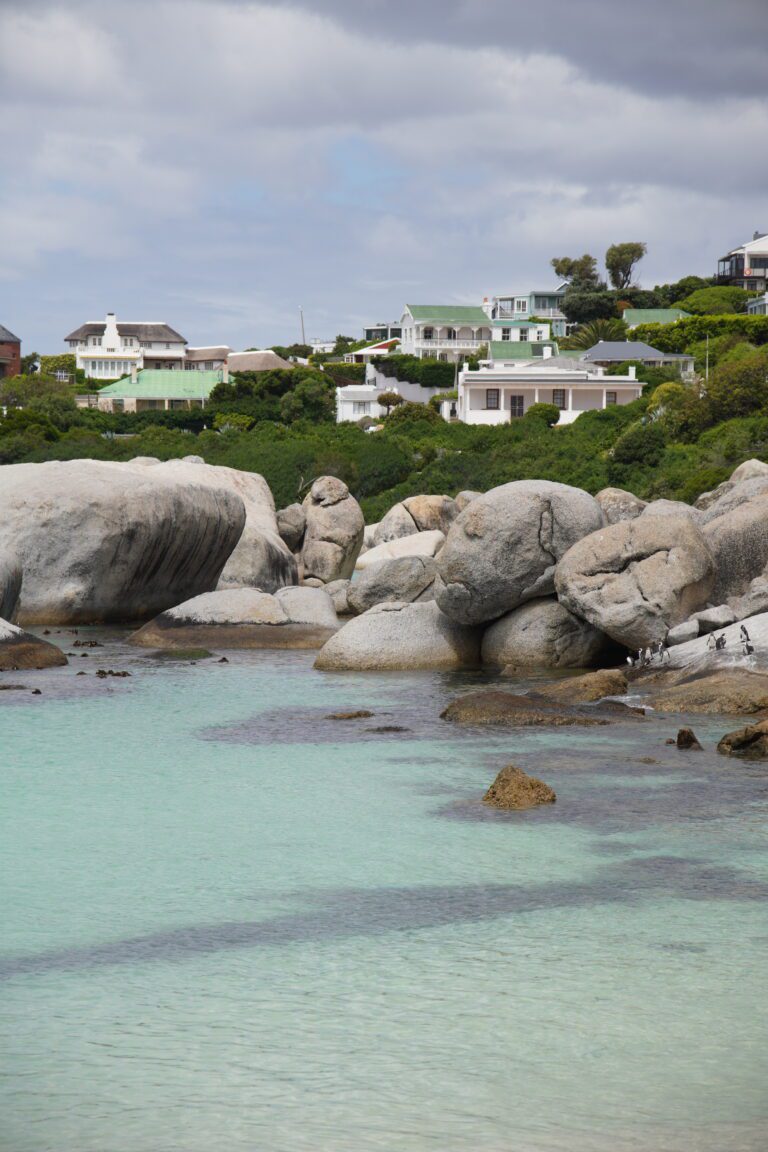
(444, 342)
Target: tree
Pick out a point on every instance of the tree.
(582, 306)
(64, 362)
(411, 411)
(738, 387)
(718, 301)
(310, 400)
(582, 270)
(548, 413)
(620, 260)
(390, 400)
(29, 363)
(592, 333)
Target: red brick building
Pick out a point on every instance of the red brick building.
(10, 353)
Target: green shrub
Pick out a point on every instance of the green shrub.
(549, 413)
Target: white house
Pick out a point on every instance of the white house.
(496, 393)
(747, 266)
(544, 304)
(208, 359)
(108, 350)
(758, 306)
(363, 355)
(357, 400)
(444, 332)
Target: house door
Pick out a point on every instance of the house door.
(516, 406)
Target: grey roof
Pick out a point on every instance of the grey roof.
(620, 350)
(7, 337)
(159, 332)
(567, 363)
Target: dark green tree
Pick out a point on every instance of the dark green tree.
(620, 261)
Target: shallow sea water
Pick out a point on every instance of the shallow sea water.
(230, 923)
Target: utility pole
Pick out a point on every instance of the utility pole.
(301, 314)
(706, 363)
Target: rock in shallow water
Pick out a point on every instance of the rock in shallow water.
(510, 710)
(20, 650)
(397, 636)
(514, 789)
(749, 743)
(244, 618)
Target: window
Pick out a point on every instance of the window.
(610, 398)
(96, 341)
(146, 344)
(429, 333)
(558, 397)
(523, 333)
(167, 345)
(361, 407)
(506, 333)
(128, 342)
(516, 406)
(492, 396)
(118, 405)
(450, 334)
(521, 305)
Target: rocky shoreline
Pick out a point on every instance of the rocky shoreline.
(532, 577)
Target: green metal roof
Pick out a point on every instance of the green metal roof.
(517, 323)
(519, 349)
(633, 316)
(448, 313)
(168, 384)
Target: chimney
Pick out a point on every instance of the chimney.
(756, 235)
(134, 373)
(633, 372)
(225, 374)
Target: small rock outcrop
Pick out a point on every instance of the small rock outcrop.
(394, 525)
(431, 513)
(503, 548)
(21, 651)
(337, 590)
(244, 618)
(687, 740)
(404, 579)
(103, 542)
(514, 789)
(730, 691)
(291, 524)
(586, 689)
(637, 579)
(542, 634)
(619, 505)
(10, 585)
(334, 532)
(750, 743)
(398, 636)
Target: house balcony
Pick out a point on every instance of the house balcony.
(540, 313)
(458, 344)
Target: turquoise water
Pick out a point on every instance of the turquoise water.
(230, 923)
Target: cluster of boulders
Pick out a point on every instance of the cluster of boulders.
(530, 574)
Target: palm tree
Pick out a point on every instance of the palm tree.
(588, 334)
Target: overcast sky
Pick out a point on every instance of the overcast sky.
(215, 164)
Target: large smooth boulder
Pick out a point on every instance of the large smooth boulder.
(334, 532)
(21, 651)
(692, 653)
(403, 579)
(503, 548)
(396, 524)
(749, 470)
(733, 497)
(619, 505)
(260, 559)
(10, 585)
(542, 634)
(291, 525)
(420, 544)
(738, 540)
(637, 579)
(432, 513)
(107, 542)
(398, 636)
(244, 618)
(672, 508)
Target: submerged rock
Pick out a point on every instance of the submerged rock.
(510, 710)
(542, 634)
(503, 548)
(749, 743)
(514, 789)
(21, 650)
(244, 618)
(728, 690)
(397, 636)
